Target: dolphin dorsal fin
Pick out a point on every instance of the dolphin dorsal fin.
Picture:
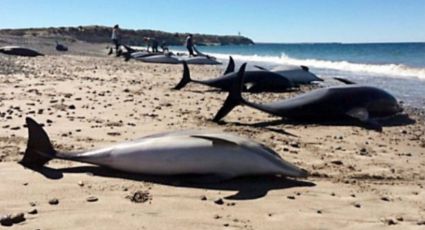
(230, 67)
(216, 140)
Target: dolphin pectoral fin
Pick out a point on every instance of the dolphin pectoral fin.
(374, 125)
(345, 81)
(359, 113)
(260, 67)
(216, 141)
(249, 86)
(362, 115)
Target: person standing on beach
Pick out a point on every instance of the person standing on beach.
(189, 44)
(154, 44)
(116, 37)
(164, 47)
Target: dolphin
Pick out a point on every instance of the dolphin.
(19, 51)
(255, 81)
(61, 47)
(298, 75)
(362, 103)
(202, 153)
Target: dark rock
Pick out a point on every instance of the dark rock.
(17, 217)
(54, 201)
(139, 197)
(385, 198)
(219, 201)
(337, 162)
(33, 211)
(390, 222)
(6, 220)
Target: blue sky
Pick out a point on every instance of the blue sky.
(261, 20)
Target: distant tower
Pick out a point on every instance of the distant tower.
(239, 34)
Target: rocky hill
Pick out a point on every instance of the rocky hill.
(101, 34)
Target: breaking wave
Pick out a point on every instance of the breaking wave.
(394, 70)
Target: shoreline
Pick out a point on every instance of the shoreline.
(359, 178)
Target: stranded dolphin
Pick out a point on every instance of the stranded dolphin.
(333, 103)
(298, 75)
(255, 81)
(19, 51)
(61, 47)
(221, 155)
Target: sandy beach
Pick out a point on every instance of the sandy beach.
(360, 179)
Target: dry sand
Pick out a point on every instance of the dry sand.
(360, 179)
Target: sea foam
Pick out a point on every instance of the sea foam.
(393, 70)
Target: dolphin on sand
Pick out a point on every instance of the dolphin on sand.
(222, 156)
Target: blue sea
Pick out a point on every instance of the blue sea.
(397, 67)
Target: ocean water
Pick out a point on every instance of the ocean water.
(396, 67)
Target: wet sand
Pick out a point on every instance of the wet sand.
(360, 179)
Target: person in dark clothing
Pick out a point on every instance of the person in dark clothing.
(164, 47)
(154, 44)
(189, 45)
(116, 37)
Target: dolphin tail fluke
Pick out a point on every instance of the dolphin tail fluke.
(186, 77)
(39, 148)
(230, 67)
(235, 96)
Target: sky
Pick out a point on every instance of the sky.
(286, 21)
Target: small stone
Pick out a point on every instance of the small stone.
(81, 183)
(54, 201)
(390, 222)
(337, 162)
(139, 197)
(291, 197)
(385, 198)
(226, 225)
(219, 201)
(71, 107)
(33, 204)
(357, 205)
(421, 222)
(203, 198)
(319, 211)
(33, 211)
(92, 199)
(294, 144)
(217, 217)
(399, 218)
